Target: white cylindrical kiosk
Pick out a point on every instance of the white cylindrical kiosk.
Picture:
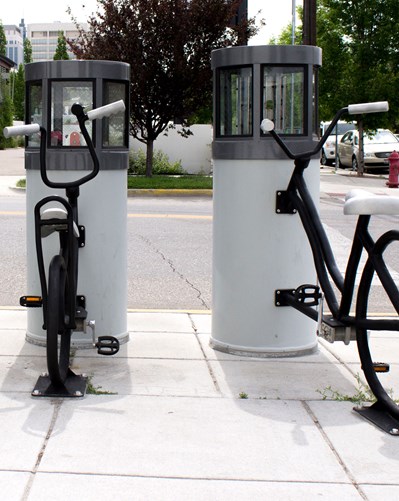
(52, 88)
(256, 250)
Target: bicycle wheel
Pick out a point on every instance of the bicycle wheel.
(57, 354)
(373, 346)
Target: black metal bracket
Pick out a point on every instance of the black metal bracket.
(280, 296)
(74, 387)
(82, 236)
(381, 418)
(306, 295)
(284, 203)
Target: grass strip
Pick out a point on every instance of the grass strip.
(185, 182)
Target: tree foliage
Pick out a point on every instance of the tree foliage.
(6, 112)
(360, 41)
(28, 58)
(168, 44)
(3, 41)
(61, 51)
(18, 85)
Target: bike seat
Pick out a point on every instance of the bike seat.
(361, 202)
(56, 213)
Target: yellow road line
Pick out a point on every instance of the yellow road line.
(170, 216)
(130, 215)
(12, 213)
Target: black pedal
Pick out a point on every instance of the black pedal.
(308, 295)
(107, 345)
(381, 367)
(31, 301)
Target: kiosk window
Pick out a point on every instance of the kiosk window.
(35, 111)
(114, 127)
(283, 98)
(64, 127)
(235, 102)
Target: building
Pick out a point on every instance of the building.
(15, 42)
(44, 38)
(6, 64)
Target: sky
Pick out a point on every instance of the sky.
(277, 13)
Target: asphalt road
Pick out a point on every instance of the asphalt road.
(169, 246)
(169, 252)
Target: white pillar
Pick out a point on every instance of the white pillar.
(103, 260)
(256, 252)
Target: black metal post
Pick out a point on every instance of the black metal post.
(309, 22)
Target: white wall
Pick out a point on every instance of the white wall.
(194, 152)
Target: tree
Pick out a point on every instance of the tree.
(168, 44)
(3, 41)
(18, 84)
(27, 51)
(361, 44)
(6, 112)
(61, 51)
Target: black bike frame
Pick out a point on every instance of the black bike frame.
(69, 243)
(326, 267)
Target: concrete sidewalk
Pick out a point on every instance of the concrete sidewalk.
(174, 426)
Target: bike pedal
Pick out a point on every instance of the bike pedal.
(107, 345)
(308, 295)
(380, 367)
(31, 301)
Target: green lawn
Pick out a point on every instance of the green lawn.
(155, 182)
(185, 182)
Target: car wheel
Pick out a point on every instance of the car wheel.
(355, 164)
(324, 160)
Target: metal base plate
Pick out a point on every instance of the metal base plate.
(377, 415)
(74, 387)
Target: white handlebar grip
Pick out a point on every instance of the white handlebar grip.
(266, 125)
(21, 130)
(359, 109)
(107, 110)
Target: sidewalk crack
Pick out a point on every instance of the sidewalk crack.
(333, 450)
(172, 266)
(57, 406)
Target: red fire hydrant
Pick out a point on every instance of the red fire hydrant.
(393, 170)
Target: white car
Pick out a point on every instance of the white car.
(378, 146)
(328, 150)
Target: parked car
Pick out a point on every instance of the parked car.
(328, 150)
(378, 145)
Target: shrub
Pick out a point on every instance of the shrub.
(161, 163)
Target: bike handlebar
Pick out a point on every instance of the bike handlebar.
(106, 110)
(353, 109)
(21, 130)
(360, 109)
(82, 117)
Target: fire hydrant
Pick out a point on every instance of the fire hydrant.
(393, 170)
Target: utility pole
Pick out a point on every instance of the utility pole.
(309, 22)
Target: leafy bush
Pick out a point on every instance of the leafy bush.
(161, 163)
(6, 119)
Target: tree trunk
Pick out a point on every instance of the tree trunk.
(360, 167)
(148, 160)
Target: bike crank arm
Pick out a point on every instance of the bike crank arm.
(106, 345)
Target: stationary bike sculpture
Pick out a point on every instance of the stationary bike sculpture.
(339, 323)
(64, 309)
